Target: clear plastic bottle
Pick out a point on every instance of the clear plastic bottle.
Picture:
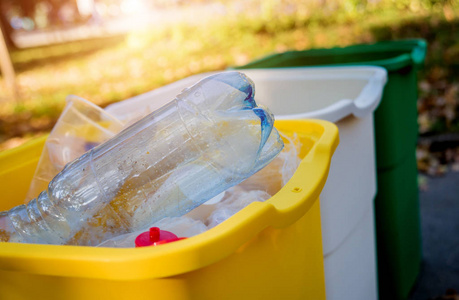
(210, 137)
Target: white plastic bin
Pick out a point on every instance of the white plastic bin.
(347, 96)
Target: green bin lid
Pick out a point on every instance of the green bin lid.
(392, 55)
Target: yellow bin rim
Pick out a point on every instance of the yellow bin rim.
(283, 209)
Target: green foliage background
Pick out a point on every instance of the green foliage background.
(114, 68)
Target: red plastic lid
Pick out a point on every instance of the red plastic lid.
(155, 237)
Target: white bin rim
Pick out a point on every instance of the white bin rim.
(360, 105)
(366, 102)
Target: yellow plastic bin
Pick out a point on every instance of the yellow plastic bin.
(268, 250)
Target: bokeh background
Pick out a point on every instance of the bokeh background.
(109, 50)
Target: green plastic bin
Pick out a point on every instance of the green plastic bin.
(396, 131)
(397, 209)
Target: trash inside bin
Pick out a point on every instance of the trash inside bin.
(396, 131)
(268, 250)
(347, 96)
(259, 187)
(211, 137)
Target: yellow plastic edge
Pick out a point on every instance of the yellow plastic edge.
(284, 208)
(15, 157)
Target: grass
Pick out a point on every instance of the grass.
(118, 67)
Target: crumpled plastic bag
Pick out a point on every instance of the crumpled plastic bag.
(235, 199)
(275, 175)
(259, 187)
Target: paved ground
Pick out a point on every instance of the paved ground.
(440, 230)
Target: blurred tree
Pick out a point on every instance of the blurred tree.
(27, 8)
(5, 25)
(6, 65)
